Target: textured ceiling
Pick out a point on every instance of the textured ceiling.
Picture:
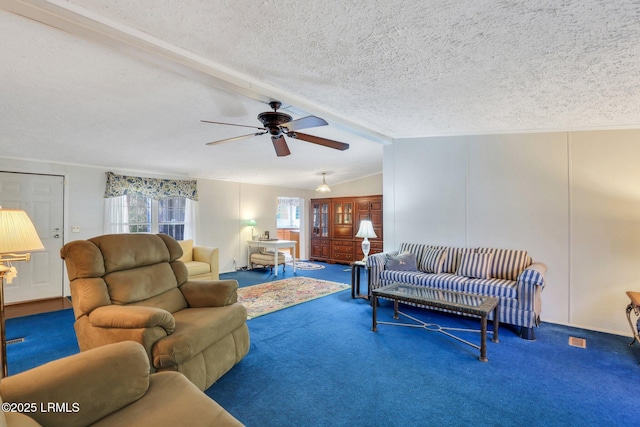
(126, 83)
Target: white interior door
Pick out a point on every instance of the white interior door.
(42, 197)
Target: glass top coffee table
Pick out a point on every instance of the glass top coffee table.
(456, 302)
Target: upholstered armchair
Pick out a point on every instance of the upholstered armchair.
(107, 386)
(133, 287)
(201, 261)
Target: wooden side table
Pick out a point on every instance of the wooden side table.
(635, 307)
(356, 268)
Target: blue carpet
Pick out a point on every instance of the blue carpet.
(47, 337)
(319, 364)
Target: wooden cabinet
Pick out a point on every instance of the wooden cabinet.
(370, 208)
(320, 225)
(320, 249)
(342, 213)
(290, 234)
(342, 250)
(320, 217)
(335, 223)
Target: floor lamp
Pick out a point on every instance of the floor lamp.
(18, 237)
(252, 223)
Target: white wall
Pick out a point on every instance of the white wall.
(518, 198)
(605, 227)
(429, 190)
(571, 199)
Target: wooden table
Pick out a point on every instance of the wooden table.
(356, 268)
(635, 307)
(275, 245)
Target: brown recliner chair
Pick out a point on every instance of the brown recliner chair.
(133, 287)
(107, 386)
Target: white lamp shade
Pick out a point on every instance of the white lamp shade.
(366, 229)
(323, 188)
(17, 233)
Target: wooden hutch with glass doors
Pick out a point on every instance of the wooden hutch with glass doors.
(335, 223)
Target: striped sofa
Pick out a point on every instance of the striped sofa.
(508, 274)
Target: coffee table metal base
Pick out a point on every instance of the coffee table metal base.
(442, 300)
(434, 327)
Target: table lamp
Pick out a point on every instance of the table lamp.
(18, 237)
(366, 231)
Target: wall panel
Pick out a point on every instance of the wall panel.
(606, 227)
(518, 199)
(429, 191)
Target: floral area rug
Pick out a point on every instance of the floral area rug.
(304, 265)
(273, 296)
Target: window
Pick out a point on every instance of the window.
(171, 216)
(139, 213)
(288, 214)
(135, 213)
(150, 216)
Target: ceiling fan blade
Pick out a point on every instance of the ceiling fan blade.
(320, 141)
(235, 138)
(305, 122)
(280, 145)
(231, 124)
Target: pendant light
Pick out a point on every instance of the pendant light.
(323, 188)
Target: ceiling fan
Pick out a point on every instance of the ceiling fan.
(278, 125)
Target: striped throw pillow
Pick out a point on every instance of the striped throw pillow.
(507, 263)
(473, 264)
(432, 260)
(452, 258)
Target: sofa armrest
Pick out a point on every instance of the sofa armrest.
(132, 317)
(93, 384)
(209, 255)
(375, 264)
(210, 293)
(530, 286)
(534, 274)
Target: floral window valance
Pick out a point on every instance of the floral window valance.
(154, 188)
